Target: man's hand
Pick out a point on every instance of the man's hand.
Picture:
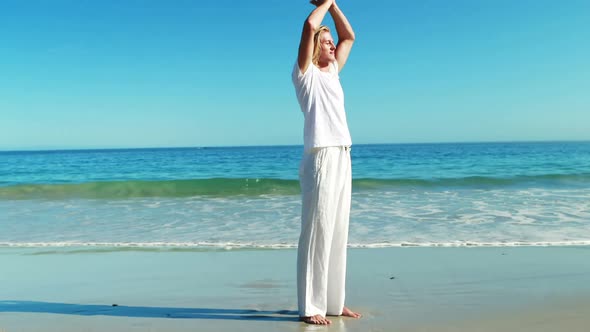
(318, 3)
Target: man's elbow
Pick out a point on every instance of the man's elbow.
(348, 38)
(351, 36)
(310, 25)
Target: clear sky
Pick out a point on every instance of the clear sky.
(147, 73)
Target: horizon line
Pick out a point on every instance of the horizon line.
(276, 145)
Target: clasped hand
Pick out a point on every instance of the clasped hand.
(321, 2)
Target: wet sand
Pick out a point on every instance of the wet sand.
(397, 289)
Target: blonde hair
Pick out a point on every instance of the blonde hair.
(317, 43)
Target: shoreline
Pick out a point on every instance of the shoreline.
(106, 247)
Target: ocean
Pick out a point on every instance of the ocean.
(247, 198)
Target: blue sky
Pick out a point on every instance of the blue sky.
(146, 73)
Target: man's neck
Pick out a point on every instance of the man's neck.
(325, 66)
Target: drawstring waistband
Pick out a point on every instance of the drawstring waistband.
(346, 148)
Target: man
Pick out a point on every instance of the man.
(325, 172)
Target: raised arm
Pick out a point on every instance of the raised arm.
(313, 21)
(345, 35)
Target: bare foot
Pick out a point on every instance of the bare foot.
(349, 313)
(317, 320)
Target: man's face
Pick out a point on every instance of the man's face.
(328, 49)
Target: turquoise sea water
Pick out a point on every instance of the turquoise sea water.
(480, 194)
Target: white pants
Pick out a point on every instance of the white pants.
(326, 180)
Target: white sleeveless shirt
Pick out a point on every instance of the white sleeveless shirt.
(321, 99)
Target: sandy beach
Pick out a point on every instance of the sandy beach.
(397, 289)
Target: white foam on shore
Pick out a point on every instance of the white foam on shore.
(414, 218)
(238, 246)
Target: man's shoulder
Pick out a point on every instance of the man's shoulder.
(301, 77)
(335, 66)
